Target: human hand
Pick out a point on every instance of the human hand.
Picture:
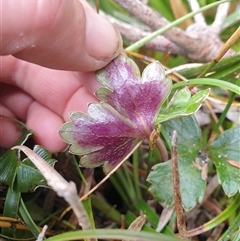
(50, 50)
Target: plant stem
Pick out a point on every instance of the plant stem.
(176, 189)
(222, 52)
(209, 81)
(148, 38)
(217, 220)
(224, 113)
(27, 219)
(73, 158)
(136, 174)
(162, 149)
(106, 209)
(229, 233)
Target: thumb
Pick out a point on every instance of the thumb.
(67, 35)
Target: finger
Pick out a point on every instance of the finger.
(10, 132)
(60, 91)
(41, 120)
(58, 34)
(45, 124)
(15, 100)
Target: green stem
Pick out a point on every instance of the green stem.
(237, 236)
(130, 186)
(79, 170)
(153, 35)
(209, 67)
(208, 81)
(51, 216)
(230, 231)
(224, 215)
(136, 174)
(222, 51)
(162, 149)
(217, 220)
(106, 209)
(166, 138)
(224, 113)
(118, 185)
(27, 219)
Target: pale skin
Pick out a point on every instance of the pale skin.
(50, 50)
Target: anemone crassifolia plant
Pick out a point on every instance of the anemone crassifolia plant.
(128, 108)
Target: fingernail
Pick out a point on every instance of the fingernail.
(103, 41)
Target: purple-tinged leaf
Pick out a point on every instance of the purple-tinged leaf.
(101, 136)
(139, 100)
(128, 109)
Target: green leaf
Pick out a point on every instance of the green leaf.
(23, 174)
(227, 73)
(8, 167)
(152, 217)
(183, 105)
(231, 20)
(88, 207)
(28, 219)
(224, 148)
(10, 210)
(109, 234)
(209, 82)
(28, 177)
(192, 186)
(129, 217)
(224, 65)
